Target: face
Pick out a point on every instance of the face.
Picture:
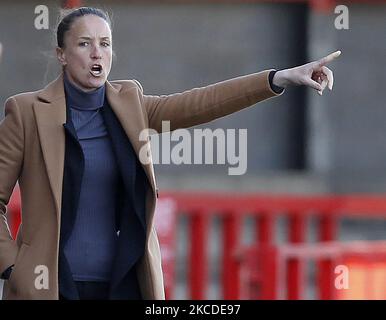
(87, 52)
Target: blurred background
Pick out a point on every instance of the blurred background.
(313, 194)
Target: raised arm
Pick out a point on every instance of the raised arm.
(200, 105)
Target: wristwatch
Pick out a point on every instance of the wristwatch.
(274, 87)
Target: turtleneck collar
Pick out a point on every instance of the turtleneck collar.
(79, 99)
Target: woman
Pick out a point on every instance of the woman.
(88, 202)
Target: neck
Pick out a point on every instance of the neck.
(80, 99)
(74, 84)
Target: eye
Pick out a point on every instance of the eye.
(105, 44)
(83, 44)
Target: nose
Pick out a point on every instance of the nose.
(96, 53)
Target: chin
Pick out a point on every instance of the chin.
(96, 83)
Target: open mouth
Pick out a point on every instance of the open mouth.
(96, 70)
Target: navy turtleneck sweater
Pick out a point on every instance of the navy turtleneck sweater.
(91, 246)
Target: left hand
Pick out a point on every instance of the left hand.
(314, 74)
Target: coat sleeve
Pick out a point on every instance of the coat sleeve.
(11, 159)
(201, 105)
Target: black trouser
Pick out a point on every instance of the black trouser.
(91, 290)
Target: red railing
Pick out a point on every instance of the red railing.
(231, 209)
(14, 211)
(264, 270)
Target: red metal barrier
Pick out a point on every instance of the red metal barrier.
(14, 211)
(200, 208)
(265, 270)
(231, 209)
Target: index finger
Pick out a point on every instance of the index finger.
(329, 58)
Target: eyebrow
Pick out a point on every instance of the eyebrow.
(88, 38)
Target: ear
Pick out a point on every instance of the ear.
(61, 56)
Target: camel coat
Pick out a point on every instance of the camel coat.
(32, 149)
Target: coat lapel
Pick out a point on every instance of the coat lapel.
(126, 107)
(50, 113)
